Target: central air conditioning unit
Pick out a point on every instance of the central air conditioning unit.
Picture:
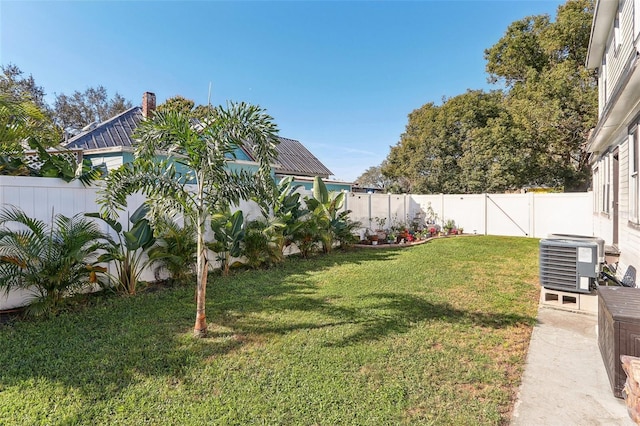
(597, 240)
(569, 264)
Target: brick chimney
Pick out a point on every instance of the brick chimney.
(148, 104)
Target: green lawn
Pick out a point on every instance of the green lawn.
(432, 334)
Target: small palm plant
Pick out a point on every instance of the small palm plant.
(174, 251)
(262, 243)
(51, 261)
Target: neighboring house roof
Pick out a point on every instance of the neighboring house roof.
(293, 157)
(115, 132)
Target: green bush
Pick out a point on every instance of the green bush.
(53, 261)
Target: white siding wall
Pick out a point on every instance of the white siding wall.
(623, 180)
(616, 56)
(111, 162)
(628, 234)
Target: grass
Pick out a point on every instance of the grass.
(432, 334)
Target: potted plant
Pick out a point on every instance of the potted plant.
(449, 226)
(380, 222)
(431, 217)
(372, 237)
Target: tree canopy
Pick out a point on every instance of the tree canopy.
(23, 111)
(373, 177)
(75, 111)
(70, 113)
(529, 133)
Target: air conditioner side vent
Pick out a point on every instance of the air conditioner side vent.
(568, 265)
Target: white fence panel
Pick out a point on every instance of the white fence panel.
(534, 215)
(508, 214)
(39, 197)
(359, 206)
(467, 211)
(398, 211)
(568, 213)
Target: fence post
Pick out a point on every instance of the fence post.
(369, 212)
(404, 205)
(486, 216)
(532, 215)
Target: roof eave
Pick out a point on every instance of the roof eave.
(604, 15)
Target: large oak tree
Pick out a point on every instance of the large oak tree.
(529, 133)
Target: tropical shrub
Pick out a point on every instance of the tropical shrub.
(174, 251)
(128, 250)
(228, 230)
(308, 233)
(51, 261)
(286, 213)
(57, 165)
(345, 230)
(332, 224)
(262, 244)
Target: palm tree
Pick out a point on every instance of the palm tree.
(53, 261)
(20, 119)
(198, 152)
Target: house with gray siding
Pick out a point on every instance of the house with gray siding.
(614, 52)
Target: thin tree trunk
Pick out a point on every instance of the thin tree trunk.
(200, 328)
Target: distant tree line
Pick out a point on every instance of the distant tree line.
(68, 114)
(531, 132)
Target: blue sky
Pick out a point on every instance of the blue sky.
(341, 77)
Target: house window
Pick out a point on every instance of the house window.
(634, 186)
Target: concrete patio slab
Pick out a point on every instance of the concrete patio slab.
(565, 381)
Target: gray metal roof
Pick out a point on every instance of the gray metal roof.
(111, 133)
(293, 157)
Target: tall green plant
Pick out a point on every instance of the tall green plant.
(204, 147)
(326, 207)
(287, 211)
(51, 261)
(128, 250)
(14, 163)
(228, 229)
(308, 233)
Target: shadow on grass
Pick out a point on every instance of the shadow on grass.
(401, 312)
(103, 350)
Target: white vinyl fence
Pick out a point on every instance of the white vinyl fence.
(531, 215)
(43, 198)
(524, 215)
